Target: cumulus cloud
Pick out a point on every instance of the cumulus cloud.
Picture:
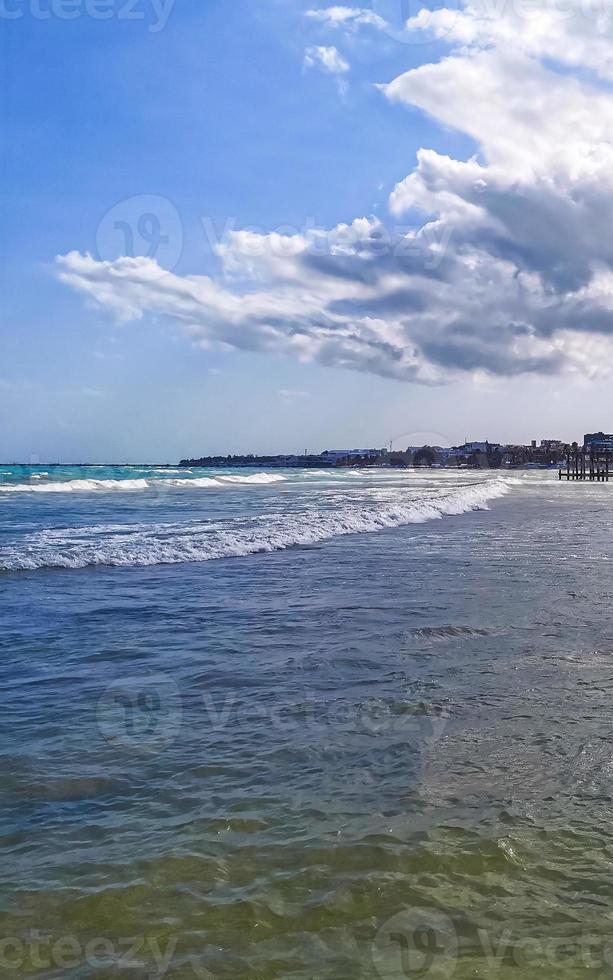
(511, 270)
(348, 17)
(359, 297)
(326, 59)
(541, 195)
(576, 33)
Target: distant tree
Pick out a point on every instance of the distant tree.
(424, 457)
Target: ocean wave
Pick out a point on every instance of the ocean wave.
(252, 478)
(196, 481)
(74, 486)
(87, 486)
(153, 544)
(218, 481)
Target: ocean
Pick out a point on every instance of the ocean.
(305, 725)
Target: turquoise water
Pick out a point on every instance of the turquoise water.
(306, 726)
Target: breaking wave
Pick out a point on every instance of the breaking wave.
(253, 478)
(197, 481)
(74, 486)
(194, 541)
(87, 486)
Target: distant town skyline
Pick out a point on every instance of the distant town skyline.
(556, 447)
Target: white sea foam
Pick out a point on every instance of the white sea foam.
(73, 486)
(151, 544)
(253, 478)
(85, 486)
(197, 481)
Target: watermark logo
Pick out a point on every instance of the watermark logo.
(146, 712)
(137, 955)
(145, 226)
(421, 439)
(410, 246)
(154, 13)
(416, 943)
(141, 713)
(424, 943)
(149, 226)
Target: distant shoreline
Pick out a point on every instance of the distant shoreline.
(281, 466)
(111, 466)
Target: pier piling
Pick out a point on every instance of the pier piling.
(586, 464)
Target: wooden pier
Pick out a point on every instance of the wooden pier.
(587, 464)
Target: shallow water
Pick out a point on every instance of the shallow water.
(361, 755)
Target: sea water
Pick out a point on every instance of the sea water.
(305, 724)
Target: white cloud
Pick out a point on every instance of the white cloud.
(542, 193)
(326, 59)
(528, 120)
(512, 270)
(362, 299)
(348, 17)
(294, 393)
(576, 32)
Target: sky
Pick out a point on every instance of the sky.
(284, 225)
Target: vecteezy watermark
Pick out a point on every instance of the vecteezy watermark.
(154, 13)
(421, 725)
(425, 942)
(149, 226)
(146, 713)
(146, 226)
(141, 713)
(416, 943)
(420, 439)
(416, 246)
(136, 955)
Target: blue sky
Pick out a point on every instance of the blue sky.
(220, 114)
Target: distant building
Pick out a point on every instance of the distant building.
(336, 455)
(552, 445)
(479, 447)
(598, 440)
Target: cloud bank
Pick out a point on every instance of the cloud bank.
(511, 270)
